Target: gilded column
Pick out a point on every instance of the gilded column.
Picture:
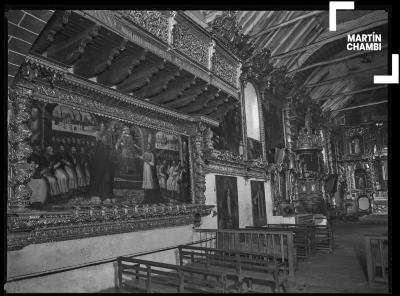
(19, 170)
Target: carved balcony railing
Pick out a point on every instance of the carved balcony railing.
(180, 40)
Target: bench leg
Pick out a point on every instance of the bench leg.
(277, 288)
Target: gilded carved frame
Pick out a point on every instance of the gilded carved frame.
(52, 84)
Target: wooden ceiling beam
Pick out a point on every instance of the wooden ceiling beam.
(201, 101)
(300, 35)
(215, 104)
(324, 98)
(333, 37)
(175, 89)
(333, 61)
(288, 35)
(157, 85)
(294, 20)
(189, 96)
(70, 50)
(343, 77)
(141, 77)
(56, 24)
(223, 110)
(91, 65)
(363, 105)
(314, 35)
(122, 68)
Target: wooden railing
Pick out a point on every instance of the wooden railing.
(158, 277)
(238, 263)
(304, 237)
(321, 235)
(276, 243)
(377, 259)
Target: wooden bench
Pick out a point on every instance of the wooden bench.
(244, 267)
(149, 276)
(275, 243)
(377, 255)
(323, 238)
(303, 237)
(317, 238)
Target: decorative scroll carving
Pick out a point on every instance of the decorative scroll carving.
(197, 143)
(19, 170)
(307, 140)
(191, 42)
(154, 21)
(257, 163)
(93, 221)
(227, 31)
(258, 66)
(52, 84)
(224, 68)
(227, 156)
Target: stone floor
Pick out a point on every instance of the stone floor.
(344, 270)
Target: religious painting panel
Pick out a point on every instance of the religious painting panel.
(228, 135)
(84, 158)
(258, 203)
(273, 127)
(254, 148)
(227, 202)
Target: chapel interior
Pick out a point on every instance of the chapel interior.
(196, 151)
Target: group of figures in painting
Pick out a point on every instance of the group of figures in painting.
(77, 156)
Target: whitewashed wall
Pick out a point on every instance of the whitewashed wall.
(244, 201)
(34, 259)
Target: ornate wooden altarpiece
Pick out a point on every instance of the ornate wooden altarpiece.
(172, 40)
(361, 152)
(223, 58)
(51, 86)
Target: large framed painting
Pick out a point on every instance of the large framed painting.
(258, 203)
(228, 135)
(81, 157)
(273, 127)
(227, 202)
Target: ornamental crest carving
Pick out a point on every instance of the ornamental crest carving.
(191, 42)
(153, 21)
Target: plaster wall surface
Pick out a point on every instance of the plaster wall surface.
(244, 201)
(39, 258)
(36, 259)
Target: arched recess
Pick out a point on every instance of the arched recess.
(254, 137)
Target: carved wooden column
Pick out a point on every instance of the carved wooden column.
(260, 97)
(19, 170)
(329, 150)
(201, 147)
(287, 127)
(243, 114)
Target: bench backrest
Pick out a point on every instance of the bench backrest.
(377, 258)
(235, 259)
(147, 269)
(272, 243)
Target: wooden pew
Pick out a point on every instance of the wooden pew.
(303, 239)
(377, 255)
(148, 276)
(320, 236)
(249, 268)
(323, 238)
(276, 243)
